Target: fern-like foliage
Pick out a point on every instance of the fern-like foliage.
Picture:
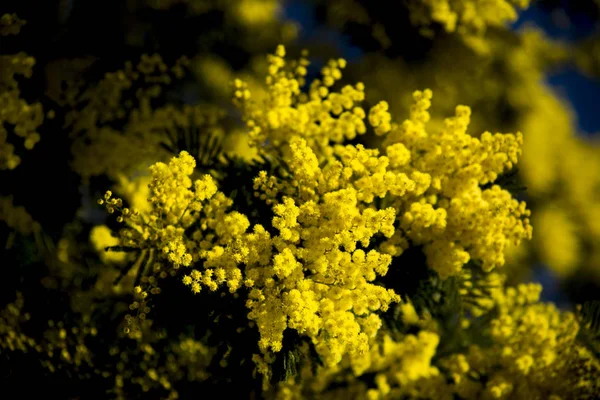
(589, 321)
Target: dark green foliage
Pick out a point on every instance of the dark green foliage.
(590, 317)
(296, 351)
(509, 181)
(589, 330)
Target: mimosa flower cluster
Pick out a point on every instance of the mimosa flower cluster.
(467, 17)
(313, 269)
(533, 342)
